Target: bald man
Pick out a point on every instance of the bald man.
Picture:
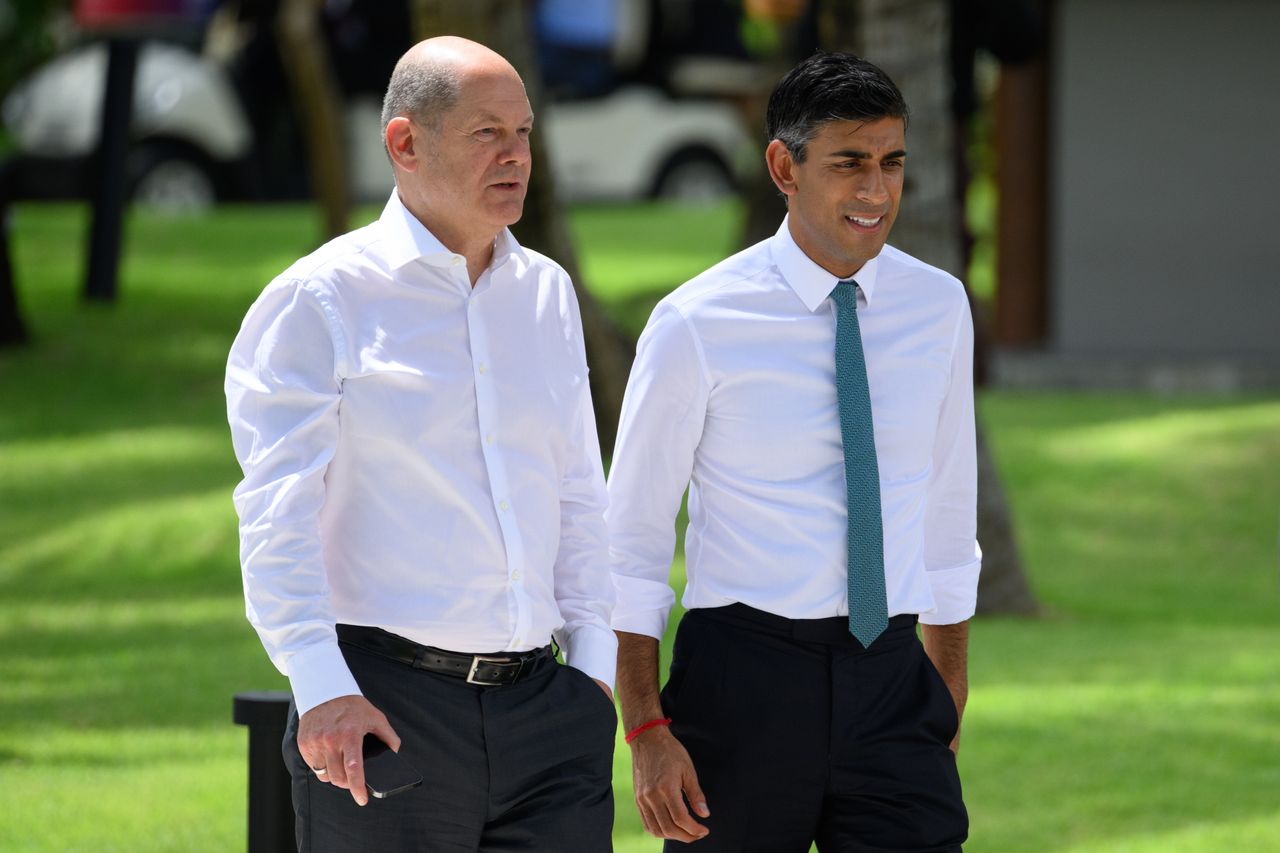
(422, 506)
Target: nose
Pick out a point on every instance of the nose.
(516, 150)
(872, 189)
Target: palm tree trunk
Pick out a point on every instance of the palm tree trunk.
(315, 91)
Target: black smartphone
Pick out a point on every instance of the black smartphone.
(385, 772)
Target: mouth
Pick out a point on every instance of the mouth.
(867, 224)
(507, 186)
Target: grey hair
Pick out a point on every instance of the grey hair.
(421, 91)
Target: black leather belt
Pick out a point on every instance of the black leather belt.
(487, 669)
(831, 630)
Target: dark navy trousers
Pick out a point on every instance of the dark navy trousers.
(799, 735)
(526, 766)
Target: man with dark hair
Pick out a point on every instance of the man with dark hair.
(814, 392)
(422, 507)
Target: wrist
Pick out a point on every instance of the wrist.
(657, 723)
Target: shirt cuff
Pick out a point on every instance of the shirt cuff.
(955, 594)
(641, 606)
(650, 623)
(319, 673)
(594, 651)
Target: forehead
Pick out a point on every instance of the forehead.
(494, 95)
(877, 136)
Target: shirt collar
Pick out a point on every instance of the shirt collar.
(812, 283)
(409, 240)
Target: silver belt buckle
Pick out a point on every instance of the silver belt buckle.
(476, 660)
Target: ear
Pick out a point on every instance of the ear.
(402, 139)
(782, 168)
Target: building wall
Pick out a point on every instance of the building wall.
(1165, 180)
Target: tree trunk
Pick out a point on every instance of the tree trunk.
(505, 27)
(910, 40)
(315, 91)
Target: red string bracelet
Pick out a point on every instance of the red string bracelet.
(641, 729)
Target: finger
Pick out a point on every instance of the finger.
(312, 752)
(319, 767)
(682, 820)
(330, 758)
(646, 819)
(353, 764)
(677, 824)
(693, 792)
(383, 731)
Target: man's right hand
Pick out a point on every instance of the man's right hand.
(331, 740)
(664, 777)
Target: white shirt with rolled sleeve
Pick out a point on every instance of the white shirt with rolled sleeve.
(419, 456)
(732, 394)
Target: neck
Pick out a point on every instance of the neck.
(841, 268)
(476, 245)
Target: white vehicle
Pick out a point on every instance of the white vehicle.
(191, 137)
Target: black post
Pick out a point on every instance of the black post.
(12, 331)
(110, 180)
(266, 713)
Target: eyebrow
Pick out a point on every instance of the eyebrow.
(490, 118)
(850, 154)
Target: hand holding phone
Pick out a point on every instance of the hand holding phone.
(385, 772)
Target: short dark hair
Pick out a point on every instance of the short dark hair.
(829, 87)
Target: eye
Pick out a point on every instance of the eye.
(486, 131)
(525, 131)
(893, 164)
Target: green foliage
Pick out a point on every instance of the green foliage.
(1142, 714)
(27, 36)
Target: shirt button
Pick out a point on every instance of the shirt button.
(515, 575)
(488, 439)
(483, 370)
(504, 506)
(457, 261)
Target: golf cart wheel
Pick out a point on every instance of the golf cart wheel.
(170, 178)
(695, 176)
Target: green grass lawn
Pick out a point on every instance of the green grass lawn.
(1141, 714)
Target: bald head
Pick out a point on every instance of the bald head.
(427, 81)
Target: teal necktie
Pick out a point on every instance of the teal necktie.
(868, 611)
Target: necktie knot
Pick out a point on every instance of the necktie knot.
(845, 294)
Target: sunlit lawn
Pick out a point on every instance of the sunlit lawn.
(1141, 714)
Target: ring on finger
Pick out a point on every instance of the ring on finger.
(319, 771)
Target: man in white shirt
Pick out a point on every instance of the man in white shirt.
(422, 507)
(814, 392)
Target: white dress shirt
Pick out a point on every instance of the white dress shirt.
(419, 456)
(733, 394)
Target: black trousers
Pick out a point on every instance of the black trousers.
(526, 766)
(799, 735)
